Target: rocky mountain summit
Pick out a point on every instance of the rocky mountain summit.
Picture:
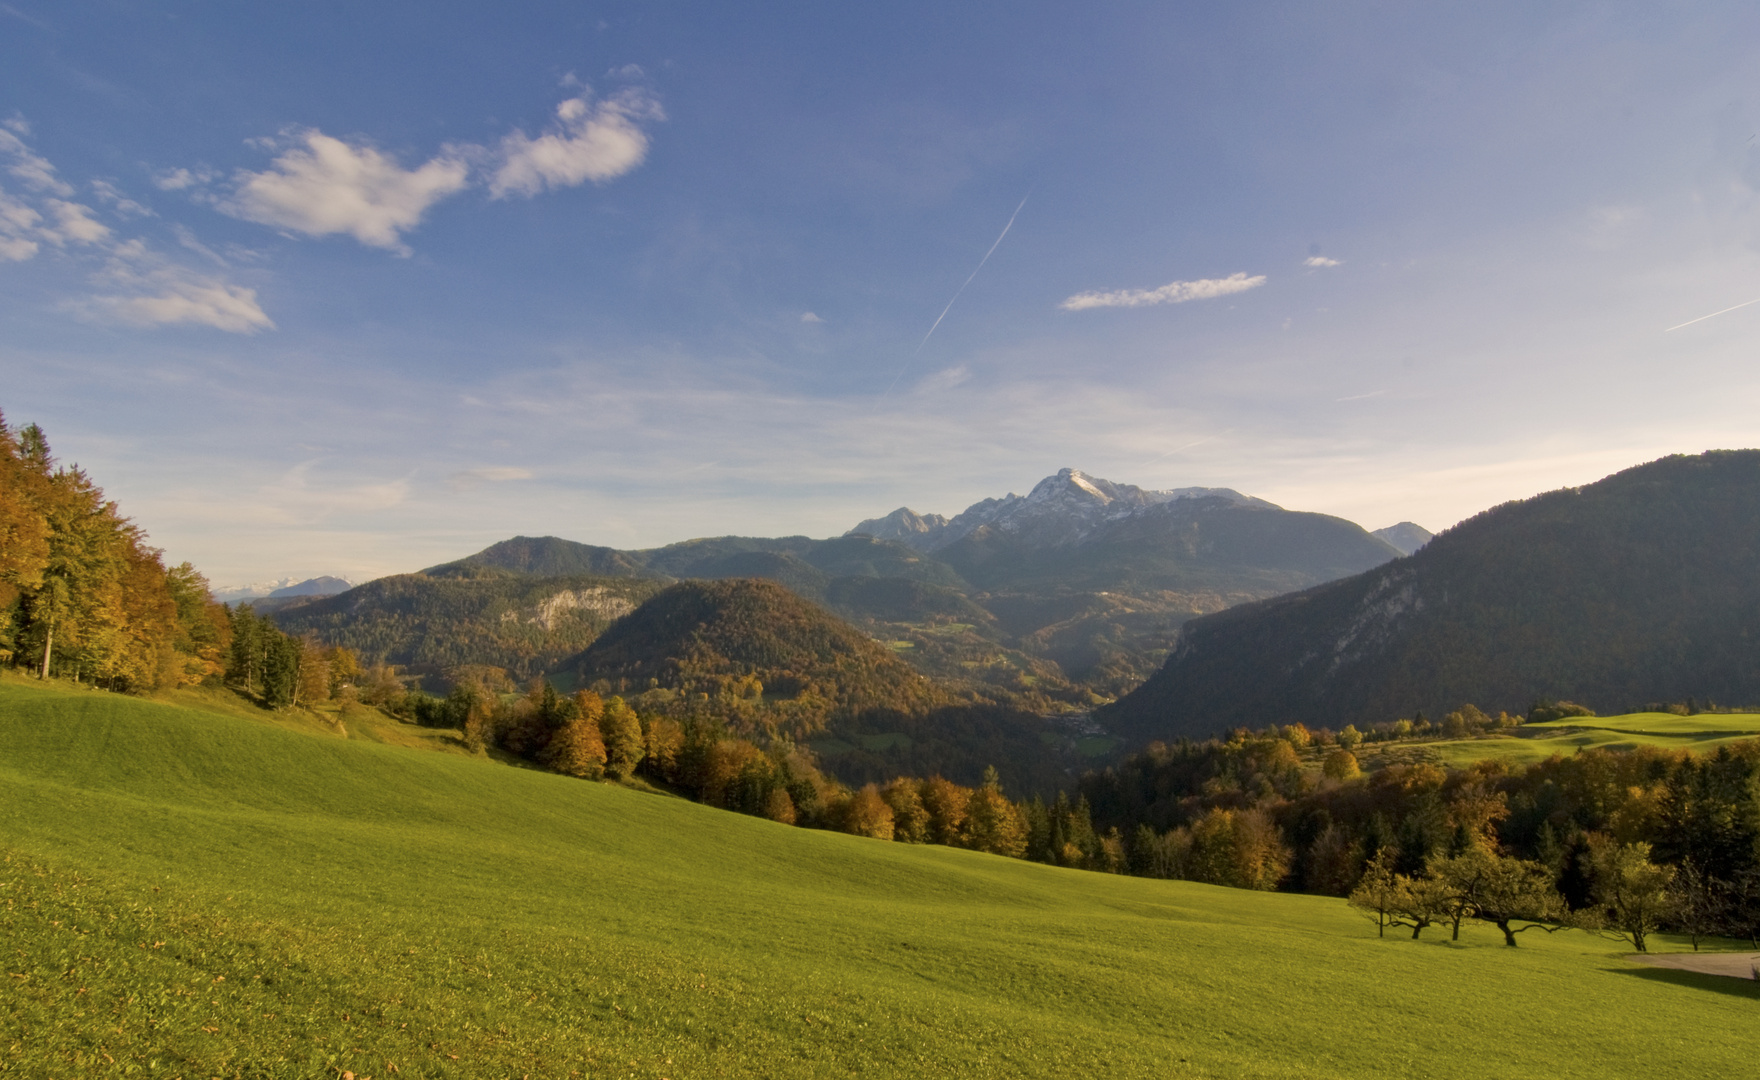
(1063, 509)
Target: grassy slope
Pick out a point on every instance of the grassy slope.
(370, 905)
(1702, 734)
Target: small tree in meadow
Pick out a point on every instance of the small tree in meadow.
(1377, 894)
(1633, 892)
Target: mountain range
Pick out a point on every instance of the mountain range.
(1071, 594)
(1643, 587)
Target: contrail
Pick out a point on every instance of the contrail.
(1713, 315)
(981, 262)
(956, 296)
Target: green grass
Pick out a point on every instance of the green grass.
(188, 893)
(1532, 743)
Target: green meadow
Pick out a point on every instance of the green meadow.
(1536, 742)
(196, 891)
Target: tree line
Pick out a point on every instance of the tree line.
(1631, 840)
(82, 595)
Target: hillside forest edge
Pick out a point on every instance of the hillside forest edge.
(1616, 841)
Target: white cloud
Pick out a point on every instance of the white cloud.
(1320, 262)
(122, 204)
(596, 142)
(809, 317)
(76, 224)
(35, 171)
(329, 186)
(1177, 292)
(138, 286)
(143, 288)
(467, 479)
(170, 295)
(179, 179)
(17, 224)
(225, 307)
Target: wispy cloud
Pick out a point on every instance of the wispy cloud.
(18, 226)
(469, 479)
(35, 171)
(74, 222)
(809, 317)
(325, 185)
(124, 206)
(181, 179)
(595, 141)
(142, 288)
(204, 303)
(1320, 262)
(136, 285)
(1176, 292)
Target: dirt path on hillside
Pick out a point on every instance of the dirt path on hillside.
(1735, 965)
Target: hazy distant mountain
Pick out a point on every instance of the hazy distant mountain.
(1405, 536)
(318, 586)
(282, 589)
(1641, 587)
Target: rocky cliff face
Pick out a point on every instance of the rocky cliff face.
(1061, 510)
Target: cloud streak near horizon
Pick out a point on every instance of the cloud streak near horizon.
(1174, 292)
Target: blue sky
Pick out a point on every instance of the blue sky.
(353, 289)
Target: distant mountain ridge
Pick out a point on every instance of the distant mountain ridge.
(1405, 537)
(1641, 587)
(1062, 509)
(1064, 597)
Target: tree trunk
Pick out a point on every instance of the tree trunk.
(1416, 927)
(48, 647)
(1509, 936)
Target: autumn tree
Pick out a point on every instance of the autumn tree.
(868, 815)
(993, 823)
(947, 804)
(577, 749)
(1240, 848)
(1633, 892)
(910, 818)
(621, 731)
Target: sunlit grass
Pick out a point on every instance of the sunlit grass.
(190, 893)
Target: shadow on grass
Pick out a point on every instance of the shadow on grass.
(1722, 984)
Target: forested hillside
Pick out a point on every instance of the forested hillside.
(1642, 587)
(81, 593)
(751, 647)
(433, 626)
(751, 657)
